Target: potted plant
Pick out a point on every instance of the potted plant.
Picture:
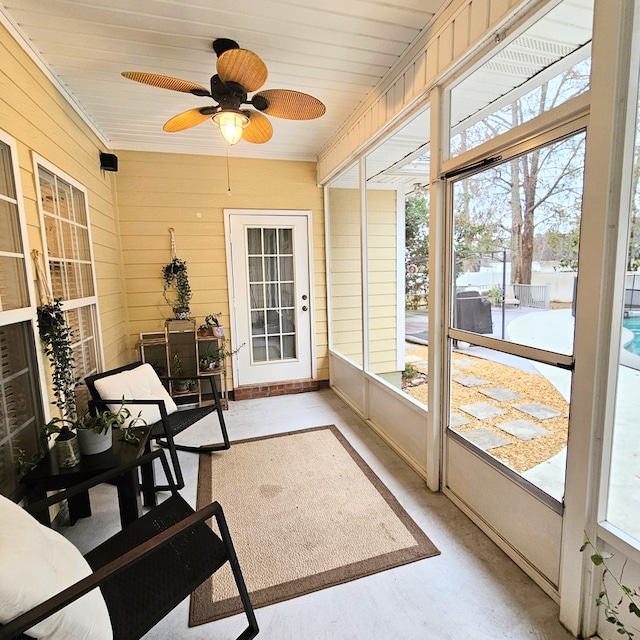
(215, 355)
(177, 370)
(94, 431)
(176, 290)
(212, 322)
(65, 447)
(57, 337)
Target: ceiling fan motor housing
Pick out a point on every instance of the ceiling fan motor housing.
(229, 95)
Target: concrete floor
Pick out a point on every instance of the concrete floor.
(472, 591)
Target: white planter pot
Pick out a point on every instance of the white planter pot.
(218, 332)
(91, 442)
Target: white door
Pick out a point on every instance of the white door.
(270, 294)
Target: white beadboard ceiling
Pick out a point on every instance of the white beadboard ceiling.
(335, 50)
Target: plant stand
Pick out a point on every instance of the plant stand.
(180, 337)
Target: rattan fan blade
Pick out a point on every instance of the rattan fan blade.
(166, 82)
(244, 67)
(291, 105)
(188, 119)
(259, 129)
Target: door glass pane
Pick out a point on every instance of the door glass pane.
(254, 242)
(530, 76)
(516, 234)
(272, 296)
(623, 504)
(345, 266)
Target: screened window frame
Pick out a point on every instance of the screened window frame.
(90, 302)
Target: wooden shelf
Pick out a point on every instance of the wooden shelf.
(180, 338)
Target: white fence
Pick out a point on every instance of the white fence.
(537, 296)
(560, 283)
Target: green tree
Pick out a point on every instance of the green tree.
(416, 252)
(537, 191)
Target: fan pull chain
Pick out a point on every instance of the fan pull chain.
(173, 242)
(228, 176)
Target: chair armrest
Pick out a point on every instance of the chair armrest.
(81, 487)
(157, 401)
(42, 611)
(192, 377)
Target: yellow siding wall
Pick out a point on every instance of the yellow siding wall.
(157, 191)
(346, 273)
(382, 274)
(34, 113)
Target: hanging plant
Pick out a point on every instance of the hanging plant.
(176, 289)
(57, 339)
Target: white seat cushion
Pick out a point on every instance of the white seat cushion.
(35, 564)
(141, 383)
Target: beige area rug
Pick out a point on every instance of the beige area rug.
(305, 513)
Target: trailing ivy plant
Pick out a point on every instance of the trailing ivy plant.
(610, 603)
(176, 281)
(57, 339)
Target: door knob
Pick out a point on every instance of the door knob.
(304, 297)
(304, 308)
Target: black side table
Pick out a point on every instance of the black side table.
(47, 476)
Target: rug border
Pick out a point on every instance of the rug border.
(202, 597)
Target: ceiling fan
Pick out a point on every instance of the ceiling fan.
(239, 72)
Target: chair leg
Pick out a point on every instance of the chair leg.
(223, 426)
(173, 454)
(252, 630)
(205, 448)
(148, 481)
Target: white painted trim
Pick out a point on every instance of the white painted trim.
(401, 284)
(327, 265)
(595, 351)
(437, 364)
(503, 544)
(308, 215)
(364, 265)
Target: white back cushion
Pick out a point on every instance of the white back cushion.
(35, 564)
(141, 383)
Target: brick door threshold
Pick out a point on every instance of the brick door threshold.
(277, 389)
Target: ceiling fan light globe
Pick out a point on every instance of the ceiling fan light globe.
(231, 123)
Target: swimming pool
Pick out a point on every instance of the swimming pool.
(633, 324)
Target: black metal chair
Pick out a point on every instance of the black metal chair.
(169, 425)
(148, 568)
